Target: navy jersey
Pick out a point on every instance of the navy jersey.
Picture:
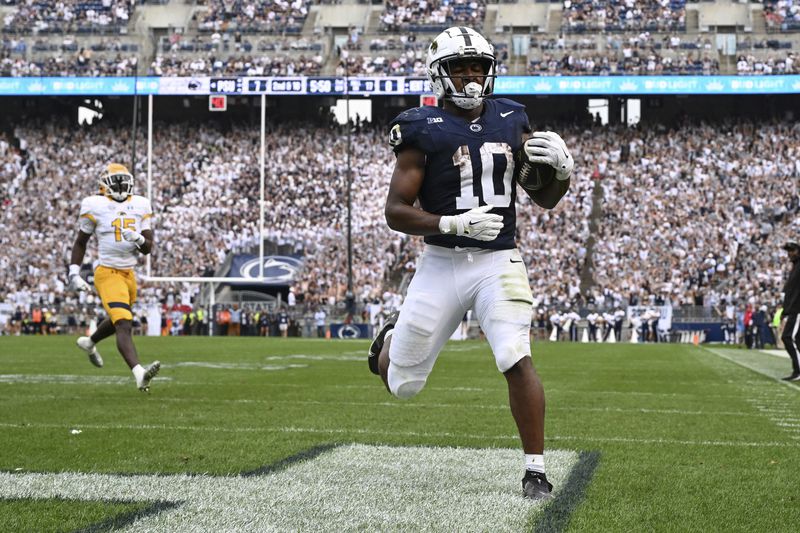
(467, 164)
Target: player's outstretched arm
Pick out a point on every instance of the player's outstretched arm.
(79, 248)
(76, 282)
(401, 215)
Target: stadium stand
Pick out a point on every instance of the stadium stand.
(431, 15)
(707, 247)
(623, 15)
(255, 16)
(782, 15)
(69, 16)
(300, 37)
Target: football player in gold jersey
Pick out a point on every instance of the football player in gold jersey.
(122, 222)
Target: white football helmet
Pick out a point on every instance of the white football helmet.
(455, 43)
(116, 182)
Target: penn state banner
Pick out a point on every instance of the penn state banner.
(279, 270)
(350, 331)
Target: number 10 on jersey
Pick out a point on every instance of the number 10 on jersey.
(463, 160)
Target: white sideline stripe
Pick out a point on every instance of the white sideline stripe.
(72, 379)
(753, 368)
(407, 405)
(231, 366)
(349, 488)
(341, 357)
(109, 380)
(776, 353)
(380, 433)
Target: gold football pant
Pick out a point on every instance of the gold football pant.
(117, 290)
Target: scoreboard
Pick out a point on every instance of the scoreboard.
(302, 85)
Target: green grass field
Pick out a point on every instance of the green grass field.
(296, 435)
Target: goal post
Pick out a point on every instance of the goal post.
(213, 281)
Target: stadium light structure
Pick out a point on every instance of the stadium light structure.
(148, 277)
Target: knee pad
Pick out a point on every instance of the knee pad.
(409, 390)
(405, 383)
(416, 328)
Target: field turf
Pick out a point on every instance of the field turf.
(252, 434)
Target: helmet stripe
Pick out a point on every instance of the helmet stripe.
(465, 35)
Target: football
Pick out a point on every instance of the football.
(532, 176)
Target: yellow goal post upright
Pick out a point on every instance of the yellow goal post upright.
(148, 277)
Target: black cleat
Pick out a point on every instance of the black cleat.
(794, 377)
(535, 486)
(377, 344)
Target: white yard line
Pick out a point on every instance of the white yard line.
(409, 405)
(389, 434)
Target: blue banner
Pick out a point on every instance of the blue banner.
(632, 85)
(365, 86)
(350, 331)
(279, 270)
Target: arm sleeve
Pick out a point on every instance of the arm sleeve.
(86, 219)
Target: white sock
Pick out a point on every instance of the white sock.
(534, 462)
(138, 372)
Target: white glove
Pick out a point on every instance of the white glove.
(548, 147)
(133, 236)
(76, 282)
(476, 223)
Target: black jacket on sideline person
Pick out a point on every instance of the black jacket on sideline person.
(791, 299)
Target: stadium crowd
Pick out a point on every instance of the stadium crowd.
(697, 215)
(675, 225)
(611, 63)
(250, 65)
(783, 15)
(262, 16)
(405, 15)
(72, 16)
(619, 15)
(81, 64)
(748, 65)
(407, 64)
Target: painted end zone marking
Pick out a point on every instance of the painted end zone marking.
(352, 487)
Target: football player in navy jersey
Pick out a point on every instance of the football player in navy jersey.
(457, 161)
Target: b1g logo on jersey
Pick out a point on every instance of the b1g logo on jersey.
(435, 120)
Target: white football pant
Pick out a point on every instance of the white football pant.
(447, 283)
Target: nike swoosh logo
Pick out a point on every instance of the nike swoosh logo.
(504, 115)
(520, 261)
(472, 223)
